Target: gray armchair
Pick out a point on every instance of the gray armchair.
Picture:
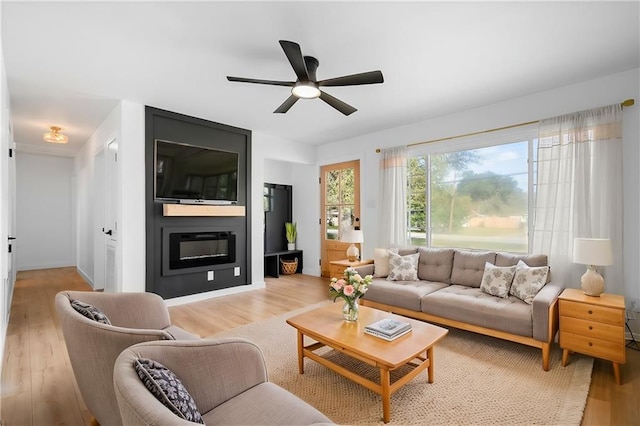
(227, 379)
(93, 346)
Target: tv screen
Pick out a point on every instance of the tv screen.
(195, 174)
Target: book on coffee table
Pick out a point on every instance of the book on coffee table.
(388, 329)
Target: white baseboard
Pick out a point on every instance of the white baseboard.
(211, 294)
(85, 277)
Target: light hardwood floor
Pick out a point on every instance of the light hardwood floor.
(38, 387)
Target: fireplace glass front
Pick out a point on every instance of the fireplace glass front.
(193, 249)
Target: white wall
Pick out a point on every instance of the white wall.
(5, 143)
(590, 94)
(132, 229)
(306, 211)
(44, 214)
(276, 171)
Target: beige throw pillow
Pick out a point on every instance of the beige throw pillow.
(380, 263)
(528, 281)
(403, 268)
(497, 280)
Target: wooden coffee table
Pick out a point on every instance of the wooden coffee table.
(326, 326)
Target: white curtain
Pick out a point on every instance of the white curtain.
(579, 191)
(392, 198)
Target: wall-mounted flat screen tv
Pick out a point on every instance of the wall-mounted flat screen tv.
(192, 174)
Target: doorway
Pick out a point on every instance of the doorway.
(340, 209)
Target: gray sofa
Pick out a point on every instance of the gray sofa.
(448, 293)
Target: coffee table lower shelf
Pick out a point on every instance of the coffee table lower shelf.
(385, 388)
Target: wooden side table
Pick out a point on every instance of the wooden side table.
(593, 326)
(337, 267)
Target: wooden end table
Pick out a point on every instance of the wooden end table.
(337, 267)
(593, 326)
(326, 326)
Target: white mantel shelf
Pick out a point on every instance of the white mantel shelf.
(197, 210)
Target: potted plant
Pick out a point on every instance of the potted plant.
(291, 234)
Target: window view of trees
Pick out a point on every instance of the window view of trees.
(339, 202)
(476, 198)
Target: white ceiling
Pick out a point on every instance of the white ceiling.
(69, 64)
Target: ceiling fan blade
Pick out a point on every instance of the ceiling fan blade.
(286, 105)
(371, 77)
(343, 107)
(294, 55)
(269, 82)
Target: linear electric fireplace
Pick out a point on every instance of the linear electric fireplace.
(197, 250)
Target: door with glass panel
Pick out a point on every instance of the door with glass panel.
(340, 209)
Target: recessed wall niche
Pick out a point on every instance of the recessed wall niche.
(193, 253)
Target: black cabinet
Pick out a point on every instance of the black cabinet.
(278, 210)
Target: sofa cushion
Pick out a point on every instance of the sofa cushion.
(528, 281)
(90, 312)
(468, 267)
(168, 389)
(403, 268)
(381, 263)
(472, 306)
(497, 280)
(435, 264)
(403, 294)
(509, 259)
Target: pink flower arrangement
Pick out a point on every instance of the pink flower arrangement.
(350, 287)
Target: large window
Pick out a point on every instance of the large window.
(475, 197)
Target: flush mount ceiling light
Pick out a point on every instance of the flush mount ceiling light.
(306, 90)
(54, 137)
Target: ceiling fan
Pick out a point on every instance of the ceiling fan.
(307, 85)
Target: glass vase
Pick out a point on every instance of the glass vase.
(350, 310)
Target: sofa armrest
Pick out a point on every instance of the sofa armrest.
(212, 370)
(365, 269)
(544, 311)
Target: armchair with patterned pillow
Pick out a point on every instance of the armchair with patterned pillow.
(97, 327)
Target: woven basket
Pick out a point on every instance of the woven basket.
(289, 266)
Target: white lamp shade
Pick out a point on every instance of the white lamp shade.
(592, 251)
(353, 236)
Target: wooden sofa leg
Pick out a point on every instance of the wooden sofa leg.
(546, 351)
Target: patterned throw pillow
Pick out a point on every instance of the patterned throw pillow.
(168, 389)
(403, 268)
(528, 281)
(90, 312)
(497, 280)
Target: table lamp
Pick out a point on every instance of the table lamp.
(353, 236)
(592, 252)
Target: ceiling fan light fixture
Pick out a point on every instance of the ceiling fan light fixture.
(54, 136)
(306, 90)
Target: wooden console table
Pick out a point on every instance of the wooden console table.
(272, 261)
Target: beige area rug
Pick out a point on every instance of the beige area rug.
(478, 380)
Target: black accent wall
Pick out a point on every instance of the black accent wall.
(171, 126)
